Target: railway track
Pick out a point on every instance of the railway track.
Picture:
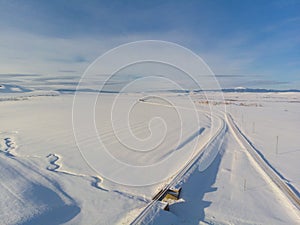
(292, 197)
(140, 219)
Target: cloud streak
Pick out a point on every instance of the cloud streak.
(236, 38)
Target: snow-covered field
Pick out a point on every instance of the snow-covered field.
(277, 116)
(51, 173)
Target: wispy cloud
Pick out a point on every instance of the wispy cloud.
(235, 38)
(67, 71)
(261, 83)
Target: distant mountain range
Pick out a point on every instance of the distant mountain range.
(257, 90)
(7, 88)
(242, 89)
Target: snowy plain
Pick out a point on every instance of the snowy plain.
(46, 180)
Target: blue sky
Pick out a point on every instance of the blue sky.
(256, 41)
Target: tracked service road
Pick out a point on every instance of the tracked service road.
(143, 217)
(278, 182)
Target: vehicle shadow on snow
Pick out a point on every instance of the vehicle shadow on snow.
(193, 193)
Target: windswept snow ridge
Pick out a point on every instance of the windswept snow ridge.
(30, 197)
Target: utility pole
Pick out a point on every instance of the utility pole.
(245, 184)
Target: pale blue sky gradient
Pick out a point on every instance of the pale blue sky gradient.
(257, 41)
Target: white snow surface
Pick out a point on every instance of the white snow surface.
(45, 179)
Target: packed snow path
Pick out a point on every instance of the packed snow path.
(266, 170)
(153, 208)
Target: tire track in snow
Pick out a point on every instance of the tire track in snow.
(16, 195)
(130, 196)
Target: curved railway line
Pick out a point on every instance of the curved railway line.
(226, 121)
(140, 219)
